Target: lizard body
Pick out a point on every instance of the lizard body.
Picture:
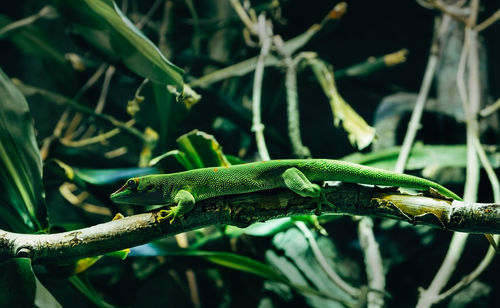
(183, 189)
(299, 175)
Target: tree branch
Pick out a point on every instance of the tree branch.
(245, 209)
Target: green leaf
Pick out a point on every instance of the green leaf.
(84, 176)
(267, 228)
(234, 160)
(87, 290)
(103, 19)
(21, 190)
(170, 114)
(202, 150)
(233, 261)
(110, 176)
(19, 286)
(421, 156)
(172, 161)
(237, 262)
(260, 269)
(359, 132)
(247, 66)
(197, 150)
(297, 262)
(226, 259)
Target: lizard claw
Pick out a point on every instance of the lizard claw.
(325, 201)
(165, 214)
(317, 212)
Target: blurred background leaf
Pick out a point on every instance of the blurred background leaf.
(99, 122)
(22, 194)
(19, 286)
(196, 150)
(120, 38)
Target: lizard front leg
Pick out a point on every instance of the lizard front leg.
(184, 201)
(297, 182)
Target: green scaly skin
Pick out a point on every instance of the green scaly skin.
(184, 189)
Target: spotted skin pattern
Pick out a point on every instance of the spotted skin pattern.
(184, 189)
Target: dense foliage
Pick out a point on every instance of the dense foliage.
(93, 92)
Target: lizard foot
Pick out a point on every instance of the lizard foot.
(318, 210)
(165, 214)
(323, 200)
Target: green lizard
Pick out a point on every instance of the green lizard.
(183, 189)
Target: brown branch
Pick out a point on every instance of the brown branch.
(245, 209)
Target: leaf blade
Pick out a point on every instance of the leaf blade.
(119, 36)
(21, 185)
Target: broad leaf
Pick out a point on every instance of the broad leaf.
(87, 290)
(196, 150)
(19, 286)
(118, 37)
(359, 132)
(202, 149)
(84, 176)
(22, 204)
(170, 113)
(229, 260)
(421, 156)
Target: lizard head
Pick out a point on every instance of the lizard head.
(140, 191)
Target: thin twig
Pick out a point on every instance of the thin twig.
(471, 103)
(96, 139)
(56, 133)
(472, 126)
(491, 253)
(452, 10)
(332, 275)
(105, 88)
(428, 297)
(414, 124)
(164, 29)
(490, 109)
(292, 99)
(62, 100)
(148, 14)
(67, 192)
(91, 81)
(257, 126)
(62, 122)
(247, 66)
(242, 14)
(45, 12)
(488, 22)
(373, 262)
(468, 279)
(471, 172)
(495, 185)
(71, 130)
(196, 26)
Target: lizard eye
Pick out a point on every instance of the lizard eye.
(132, 184)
